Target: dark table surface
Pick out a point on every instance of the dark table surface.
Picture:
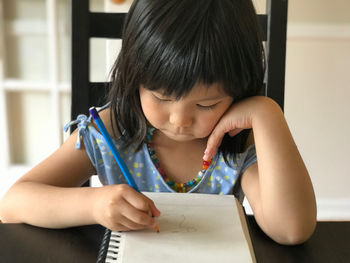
(23, 243)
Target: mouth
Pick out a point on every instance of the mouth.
(177, 134)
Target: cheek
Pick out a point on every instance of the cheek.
(153, 113)
(205, 126)
(208, 121)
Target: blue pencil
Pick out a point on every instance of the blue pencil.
(113, 149)
(115, 152)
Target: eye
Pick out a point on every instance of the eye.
(207, 107)
(159, 99)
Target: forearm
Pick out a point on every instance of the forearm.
(286, 192)
(48, 206)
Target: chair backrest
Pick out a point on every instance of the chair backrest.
(86, 24)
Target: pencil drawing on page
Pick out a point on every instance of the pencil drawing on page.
(176, 223)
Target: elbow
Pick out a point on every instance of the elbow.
(296, 234)
(6, 216)
(3, 213)
(297, 237)
(3, 217)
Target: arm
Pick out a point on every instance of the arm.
(49, 196)
(40, 196)
(278, 187)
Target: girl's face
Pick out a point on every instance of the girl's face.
(191, 117)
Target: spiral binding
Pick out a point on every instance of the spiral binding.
(113, 247)
(102, 254)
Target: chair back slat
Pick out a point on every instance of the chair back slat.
(277, 11)
(100, 25)
(263, 25)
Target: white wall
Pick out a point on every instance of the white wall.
(317, 97)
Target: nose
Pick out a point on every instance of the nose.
(181, 119)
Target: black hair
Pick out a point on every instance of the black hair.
(172, 45)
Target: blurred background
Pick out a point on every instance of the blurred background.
(35, 87)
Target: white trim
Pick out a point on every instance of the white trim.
(23, 85)
(335, 209)
(318, 31)
(26, 27)
(30, 27)
(247, 207)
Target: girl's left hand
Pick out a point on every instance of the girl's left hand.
(237, 118)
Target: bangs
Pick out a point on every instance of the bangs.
(176, 70)
(174, 58)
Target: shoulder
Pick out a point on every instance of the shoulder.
(105, 116)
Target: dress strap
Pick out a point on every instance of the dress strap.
(83, 121)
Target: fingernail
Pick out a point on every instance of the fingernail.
(156, 213)
(206, 157)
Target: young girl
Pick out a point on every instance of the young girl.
(185, 88)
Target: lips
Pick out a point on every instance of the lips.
(177, 134)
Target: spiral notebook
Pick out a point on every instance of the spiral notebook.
(193, 228)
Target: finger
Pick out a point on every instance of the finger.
(225, 125)
(141, 214)
(213, 143)
(139, 217)
(142, 202)
(130, 217)
(137, 200)
(154, 210)
(131, 225)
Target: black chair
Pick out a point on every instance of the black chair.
(86, 24)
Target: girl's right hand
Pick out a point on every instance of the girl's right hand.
(121, 208)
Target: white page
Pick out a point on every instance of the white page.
(193, 228)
